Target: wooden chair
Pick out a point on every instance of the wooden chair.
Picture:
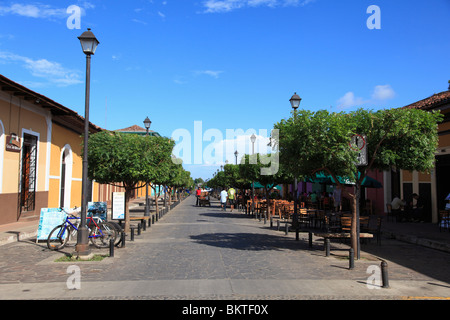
(372, 225)
(303, 217)
(346, 224)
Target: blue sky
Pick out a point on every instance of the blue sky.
(226, 64)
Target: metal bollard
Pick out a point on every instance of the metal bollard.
(123, 236)
(139, 229)
(111, 247)
(351, 259)
(287, 228)
(310, 239)
(384, 274)
(132, 234)
(327, 247)
(297, 233)
(144, 225)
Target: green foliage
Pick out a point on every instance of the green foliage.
(127, 158)
(311, 141)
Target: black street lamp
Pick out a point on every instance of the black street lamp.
(89, 44)
(236, 154)
(253, 140)
(295, 103)
(147, 124)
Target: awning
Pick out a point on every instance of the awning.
(367, 182)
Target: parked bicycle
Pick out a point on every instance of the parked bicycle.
(66, 234)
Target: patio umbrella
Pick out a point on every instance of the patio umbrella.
(259, 186)
(367, 182)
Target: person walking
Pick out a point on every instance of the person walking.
(232, 197)
(223, 199)
(198, 193)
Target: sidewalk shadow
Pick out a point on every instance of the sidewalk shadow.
(249, 241)
(225, 214)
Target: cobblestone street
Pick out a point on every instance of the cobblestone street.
(206, 253)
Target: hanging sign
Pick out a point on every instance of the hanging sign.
(358, 143)
(12, 143)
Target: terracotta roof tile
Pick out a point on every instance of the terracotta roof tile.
(434, 100)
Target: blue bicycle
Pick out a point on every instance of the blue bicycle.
(66, 234)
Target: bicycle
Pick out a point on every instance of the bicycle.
(66, 234)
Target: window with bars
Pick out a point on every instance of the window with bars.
(28, 175)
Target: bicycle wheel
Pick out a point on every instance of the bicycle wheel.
(118, 231)
(101, 235)
(72, 236)
(57, 238)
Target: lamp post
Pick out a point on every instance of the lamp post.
(253, 140)
(236, 154)
(89, 44)
(295, 103)
(147, 124)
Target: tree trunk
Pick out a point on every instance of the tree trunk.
(156, 202)
(127, 210)
(355, 221)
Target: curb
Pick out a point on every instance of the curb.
(432, 244)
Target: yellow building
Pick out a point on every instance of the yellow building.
(40, 154)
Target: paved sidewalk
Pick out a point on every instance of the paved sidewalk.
(204, 253)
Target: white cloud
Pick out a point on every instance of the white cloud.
(381, 93)
(42, 11)
(218, 6)
(51, 71)
(349, 100)
(211, 73)
(139, 21)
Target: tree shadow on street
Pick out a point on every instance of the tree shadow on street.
(250, 241)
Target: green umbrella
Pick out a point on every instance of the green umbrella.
(259, 186)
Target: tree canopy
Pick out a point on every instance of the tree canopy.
(311, 142)
(128, 160)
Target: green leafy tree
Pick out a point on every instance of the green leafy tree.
(312, 142)
(252, 169)
(127, 160)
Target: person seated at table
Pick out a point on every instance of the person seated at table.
(397, 206)
(313, 197)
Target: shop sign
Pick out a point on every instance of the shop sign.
(12, 143)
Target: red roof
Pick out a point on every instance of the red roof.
(434, 101)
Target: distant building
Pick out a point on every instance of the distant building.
(135, 129)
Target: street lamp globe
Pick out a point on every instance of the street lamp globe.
(89, 42)
(253, 138)
(147, 123)
(295, 101)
